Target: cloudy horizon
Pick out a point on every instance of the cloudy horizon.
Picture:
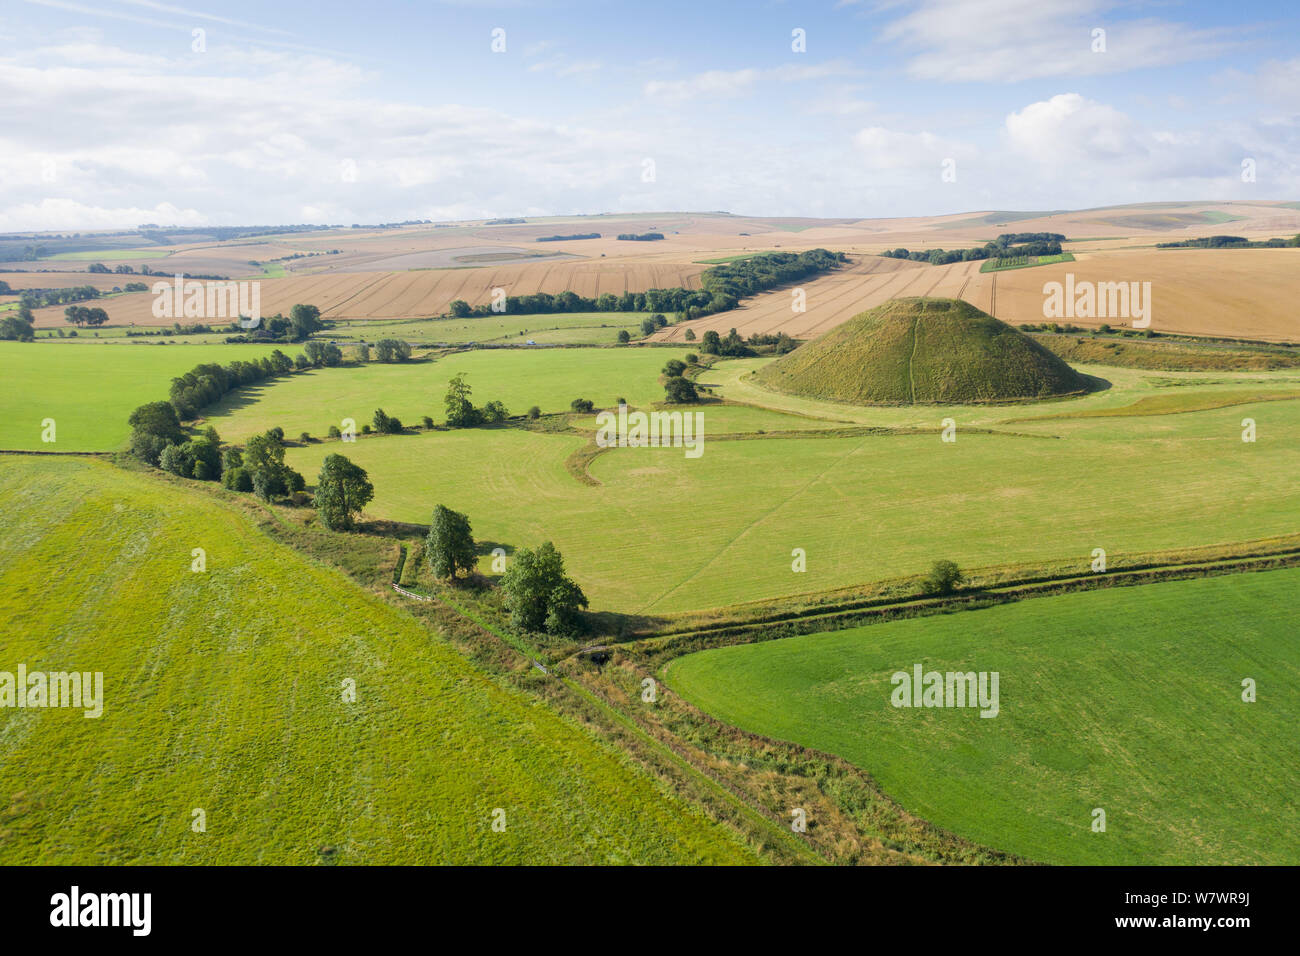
(139, 111)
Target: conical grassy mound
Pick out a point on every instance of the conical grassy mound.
(922, 351)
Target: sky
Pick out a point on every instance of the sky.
(115, 113)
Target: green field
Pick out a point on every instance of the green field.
(90, 392)
(223, 692)
(1024, 262)
(1126, 699)
(664, 533)
(563, 328)
(549, 378)
(103, 255)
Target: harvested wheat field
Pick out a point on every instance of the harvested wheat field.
(1237, 293)
(395, 295)
(1233, 293)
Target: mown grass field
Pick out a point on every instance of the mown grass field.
(663, 533)
(568, 328)
(1126, 699)
(89, 392)
(548, 378)
(223, 692)
(1004, 263)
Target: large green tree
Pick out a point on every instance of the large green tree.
(304, 320)
(342, 490)
(264, 460)
(450, 545)
(539, 595)
(461, 412)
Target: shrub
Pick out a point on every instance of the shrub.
(534, 413)
(426, 421)
(304, 438)
(944, 578)
(680, 390)
(692, 358)
(582, 405)
(387, 424)
(237, 479)
(392, 350)
(624, 337)
(690, 335)
(334, 432)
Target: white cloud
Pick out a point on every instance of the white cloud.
(1012, 40)
(1279, 82)
(883, 149)
(67, 214)
(1068, 129)
(791, 73)
(714, 83)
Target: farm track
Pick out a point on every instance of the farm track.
(671, 752)
(911, 358)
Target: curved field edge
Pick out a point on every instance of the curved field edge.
(1128, 700)
(223, 693)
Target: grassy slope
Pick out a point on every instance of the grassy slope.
(223, 693)
(1127, 700)
(666, 533)
(549, 378)
(921, 350)
(1140, 353)
(88, 391)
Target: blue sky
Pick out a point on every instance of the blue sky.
(115, 114)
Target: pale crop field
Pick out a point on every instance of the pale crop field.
(424, 292)
(1234, 293)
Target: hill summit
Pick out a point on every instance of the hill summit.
(922, 351)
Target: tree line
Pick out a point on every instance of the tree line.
(722, 287)
(535, 590)
(1005, 246)
(1231, 242)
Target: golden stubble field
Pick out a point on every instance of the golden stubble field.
(1238, 293)
(416, 271)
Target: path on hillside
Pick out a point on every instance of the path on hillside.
(911, 376)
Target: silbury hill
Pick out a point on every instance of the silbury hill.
(923, 351)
